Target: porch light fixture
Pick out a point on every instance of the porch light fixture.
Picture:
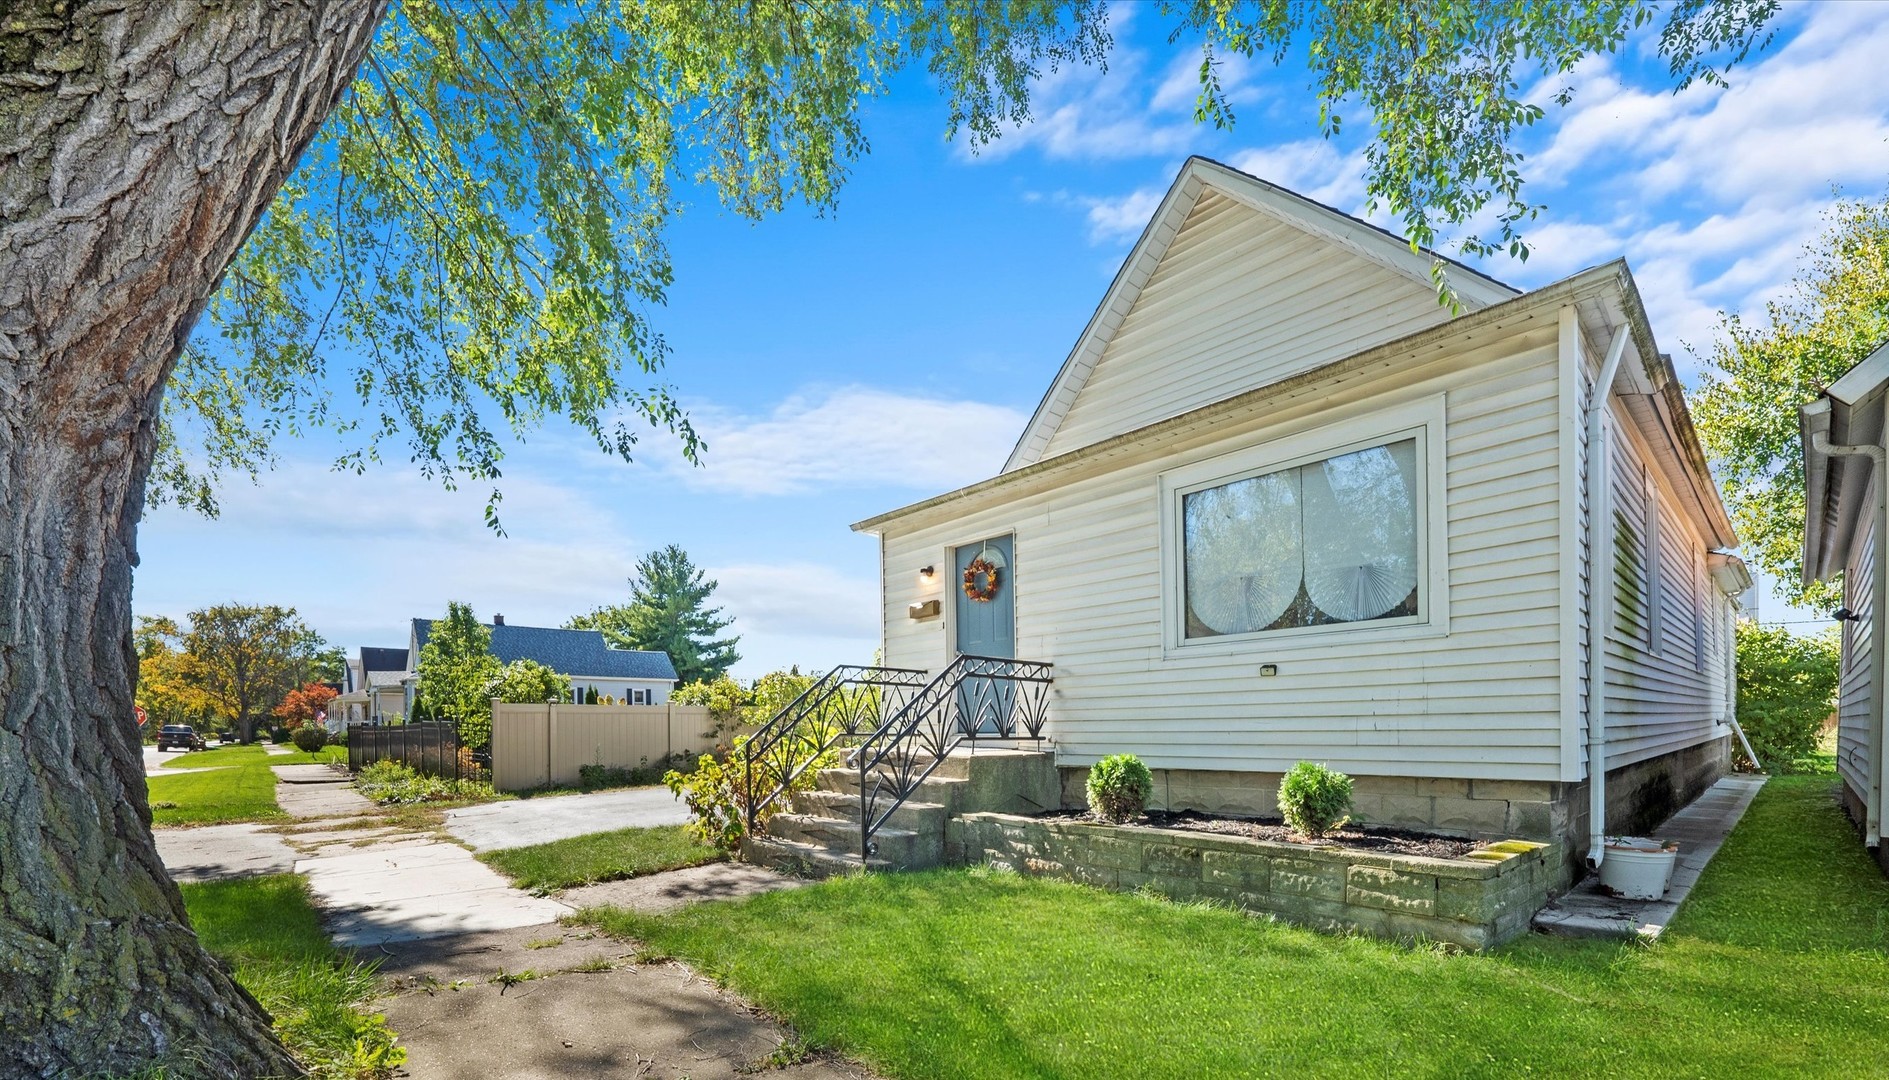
(1844, 614)
(927, 572)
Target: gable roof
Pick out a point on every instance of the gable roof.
(1604, 296)
(1476, 289)
(567, 652)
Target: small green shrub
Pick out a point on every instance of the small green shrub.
(339, 738)
(1314, 799)
(389, 782)
(717, 791)
(594, 777)
(308, 738)
(1120, 787)
(279, 735)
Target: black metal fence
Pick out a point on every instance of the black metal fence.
(429, 747)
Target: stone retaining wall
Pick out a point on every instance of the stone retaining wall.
(1477, 901)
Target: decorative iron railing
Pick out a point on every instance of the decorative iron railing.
(849, 702)
(976, 697)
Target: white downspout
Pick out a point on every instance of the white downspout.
(1600, 593)
(1878, 593)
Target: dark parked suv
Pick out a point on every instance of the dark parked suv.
(178, 737)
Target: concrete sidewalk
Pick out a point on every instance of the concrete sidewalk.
(558, 817)
(317, 791)
(214, 852)
(402, 889)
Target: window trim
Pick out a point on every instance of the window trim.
(1422, 421)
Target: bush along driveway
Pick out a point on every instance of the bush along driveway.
(1779, 964)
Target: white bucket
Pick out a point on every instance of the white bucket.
(1637, 868)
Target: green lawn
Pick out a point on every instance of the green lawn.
(265, 931)
(582, 860)
(243, 793)
(1779, 965)
(254, 755)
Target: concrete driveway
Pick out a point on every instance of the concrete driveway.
(556, 817)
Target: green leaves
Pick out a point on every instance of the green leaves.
(475, 245)
(1450, 85)
(1760, 372)
(1787, 685)
(457, 672)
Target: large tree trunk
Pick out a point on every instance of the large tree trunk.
(140, 141)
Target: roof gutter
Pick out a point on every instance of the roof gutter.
(1600, 592)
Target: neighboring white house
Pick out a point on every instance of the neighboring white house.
(373, 688)
(1278, 504)
(1844, 442)
(632, 676)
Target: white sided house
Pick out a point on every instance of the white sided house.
(1280, 505)
(631, 676)
(1845, 519)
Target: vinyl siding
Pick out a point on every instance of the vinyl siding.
(1239, 300)
(1660, 697)
(1853, 689)
(1482, 700)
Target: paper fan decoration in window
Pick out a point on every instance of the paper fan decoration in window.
(1244, 549)
(1361, 532)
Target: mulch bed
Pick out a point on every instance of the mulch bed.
(1387, 841)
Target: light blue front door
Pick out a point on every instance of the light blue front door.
(986, 627)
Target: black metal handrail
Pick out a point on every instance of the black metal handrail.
(975, 697)
(847, 702)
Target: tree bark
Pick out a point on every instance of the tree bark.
(139, 144)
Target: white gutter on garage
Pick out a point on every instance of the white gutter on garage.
(1818, 423)
(1600, 593)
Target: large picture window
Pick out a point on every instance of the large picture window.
(1324, 542)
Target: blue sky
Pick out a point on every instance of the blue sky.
(843, 365)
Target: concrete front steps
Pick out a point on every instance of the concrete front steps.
(819, 834)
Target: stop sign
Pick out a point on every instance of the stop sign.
(138, 711)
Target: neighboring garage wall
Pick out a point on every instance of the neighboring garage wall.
(1853, 694)
(1482, 702)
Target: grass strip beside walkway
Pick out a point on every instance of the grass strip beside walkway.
(266, 932)
(1779, 964)
(609, 856)
(254, 754)
(244, 793)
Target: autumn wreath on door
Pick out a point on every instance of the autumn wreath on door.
(984, 568)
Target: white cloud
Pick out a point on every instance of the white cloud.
(799, 599)
(1312, 167)
(1118, 219)
(852, 437)
(1085, 113)
(1712, 194)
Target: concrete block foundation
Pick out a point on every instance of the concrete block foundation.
(1475, 902)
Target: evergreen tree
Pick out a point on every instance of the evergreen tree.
(668, 612)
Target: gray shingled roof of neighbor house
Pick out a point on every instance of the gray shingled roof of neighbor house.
(568, 652)
(375, 658)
